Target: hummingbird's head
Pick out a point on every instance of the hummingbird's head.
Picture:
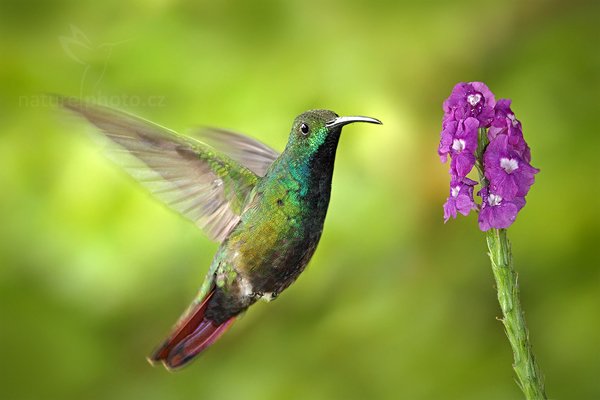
(317, 132)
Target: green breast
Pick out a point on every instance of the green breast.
(280, 230)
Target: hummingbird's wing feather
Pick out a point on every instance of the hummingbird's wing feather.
(203, 184)
(249, 152)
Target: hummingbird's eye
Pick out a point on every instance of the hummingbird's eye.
(304, 129)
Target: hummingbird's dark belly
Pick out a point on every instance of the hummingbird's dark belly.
(285, 266)
(262, 270)
(269, 248)
(279, 250)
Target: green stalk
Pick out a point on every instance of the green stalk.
(529, 377)
(528, 373)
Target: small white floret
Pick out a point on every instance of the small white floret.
(473, 99)
(494, 200)
(454, 191)
(509, 164)
(458, 145)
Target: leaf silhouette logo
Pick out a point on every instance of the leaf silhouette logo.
(94, 58)
(78, 39)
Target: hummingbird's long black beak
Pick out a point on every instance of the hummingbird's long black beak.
(341, 121)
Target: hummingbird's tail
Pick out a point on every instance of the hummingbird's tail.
(192, 334)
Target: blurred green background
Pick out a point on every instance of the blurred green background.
(395, 304)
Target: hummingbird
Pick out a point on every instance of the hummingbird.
(266, 209)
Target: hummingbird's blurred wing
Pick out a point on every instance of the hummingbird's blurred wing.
(203, 184)
(249, 152)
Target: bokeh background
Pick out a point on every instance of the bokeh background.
(395, 304)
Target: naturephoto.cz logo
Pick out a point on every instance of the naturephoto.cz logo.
(94, 60)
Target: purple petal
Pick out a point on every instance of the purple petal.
(449, 209)
(464, 204)
(524, 179)
(499, 217)
(502, 107)
(504, 185)
(490, 100)
(519, 202)
(504, 215)
(462, 163)
(484, 219)
(447, 136)
(501, 122)
(468, 131)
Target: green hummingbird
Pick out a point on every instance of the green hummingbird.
(264, 208)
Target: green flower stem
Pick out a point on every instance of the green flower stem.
(528, 373)
(529, 377)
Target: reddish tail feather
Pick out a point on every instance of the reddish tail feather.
(190, 336)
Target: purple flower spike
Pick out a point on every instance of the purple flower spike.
(508, 172)
(472, 99)
(508, 175)
(460, 199)
(459, 139)
(497, 212)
